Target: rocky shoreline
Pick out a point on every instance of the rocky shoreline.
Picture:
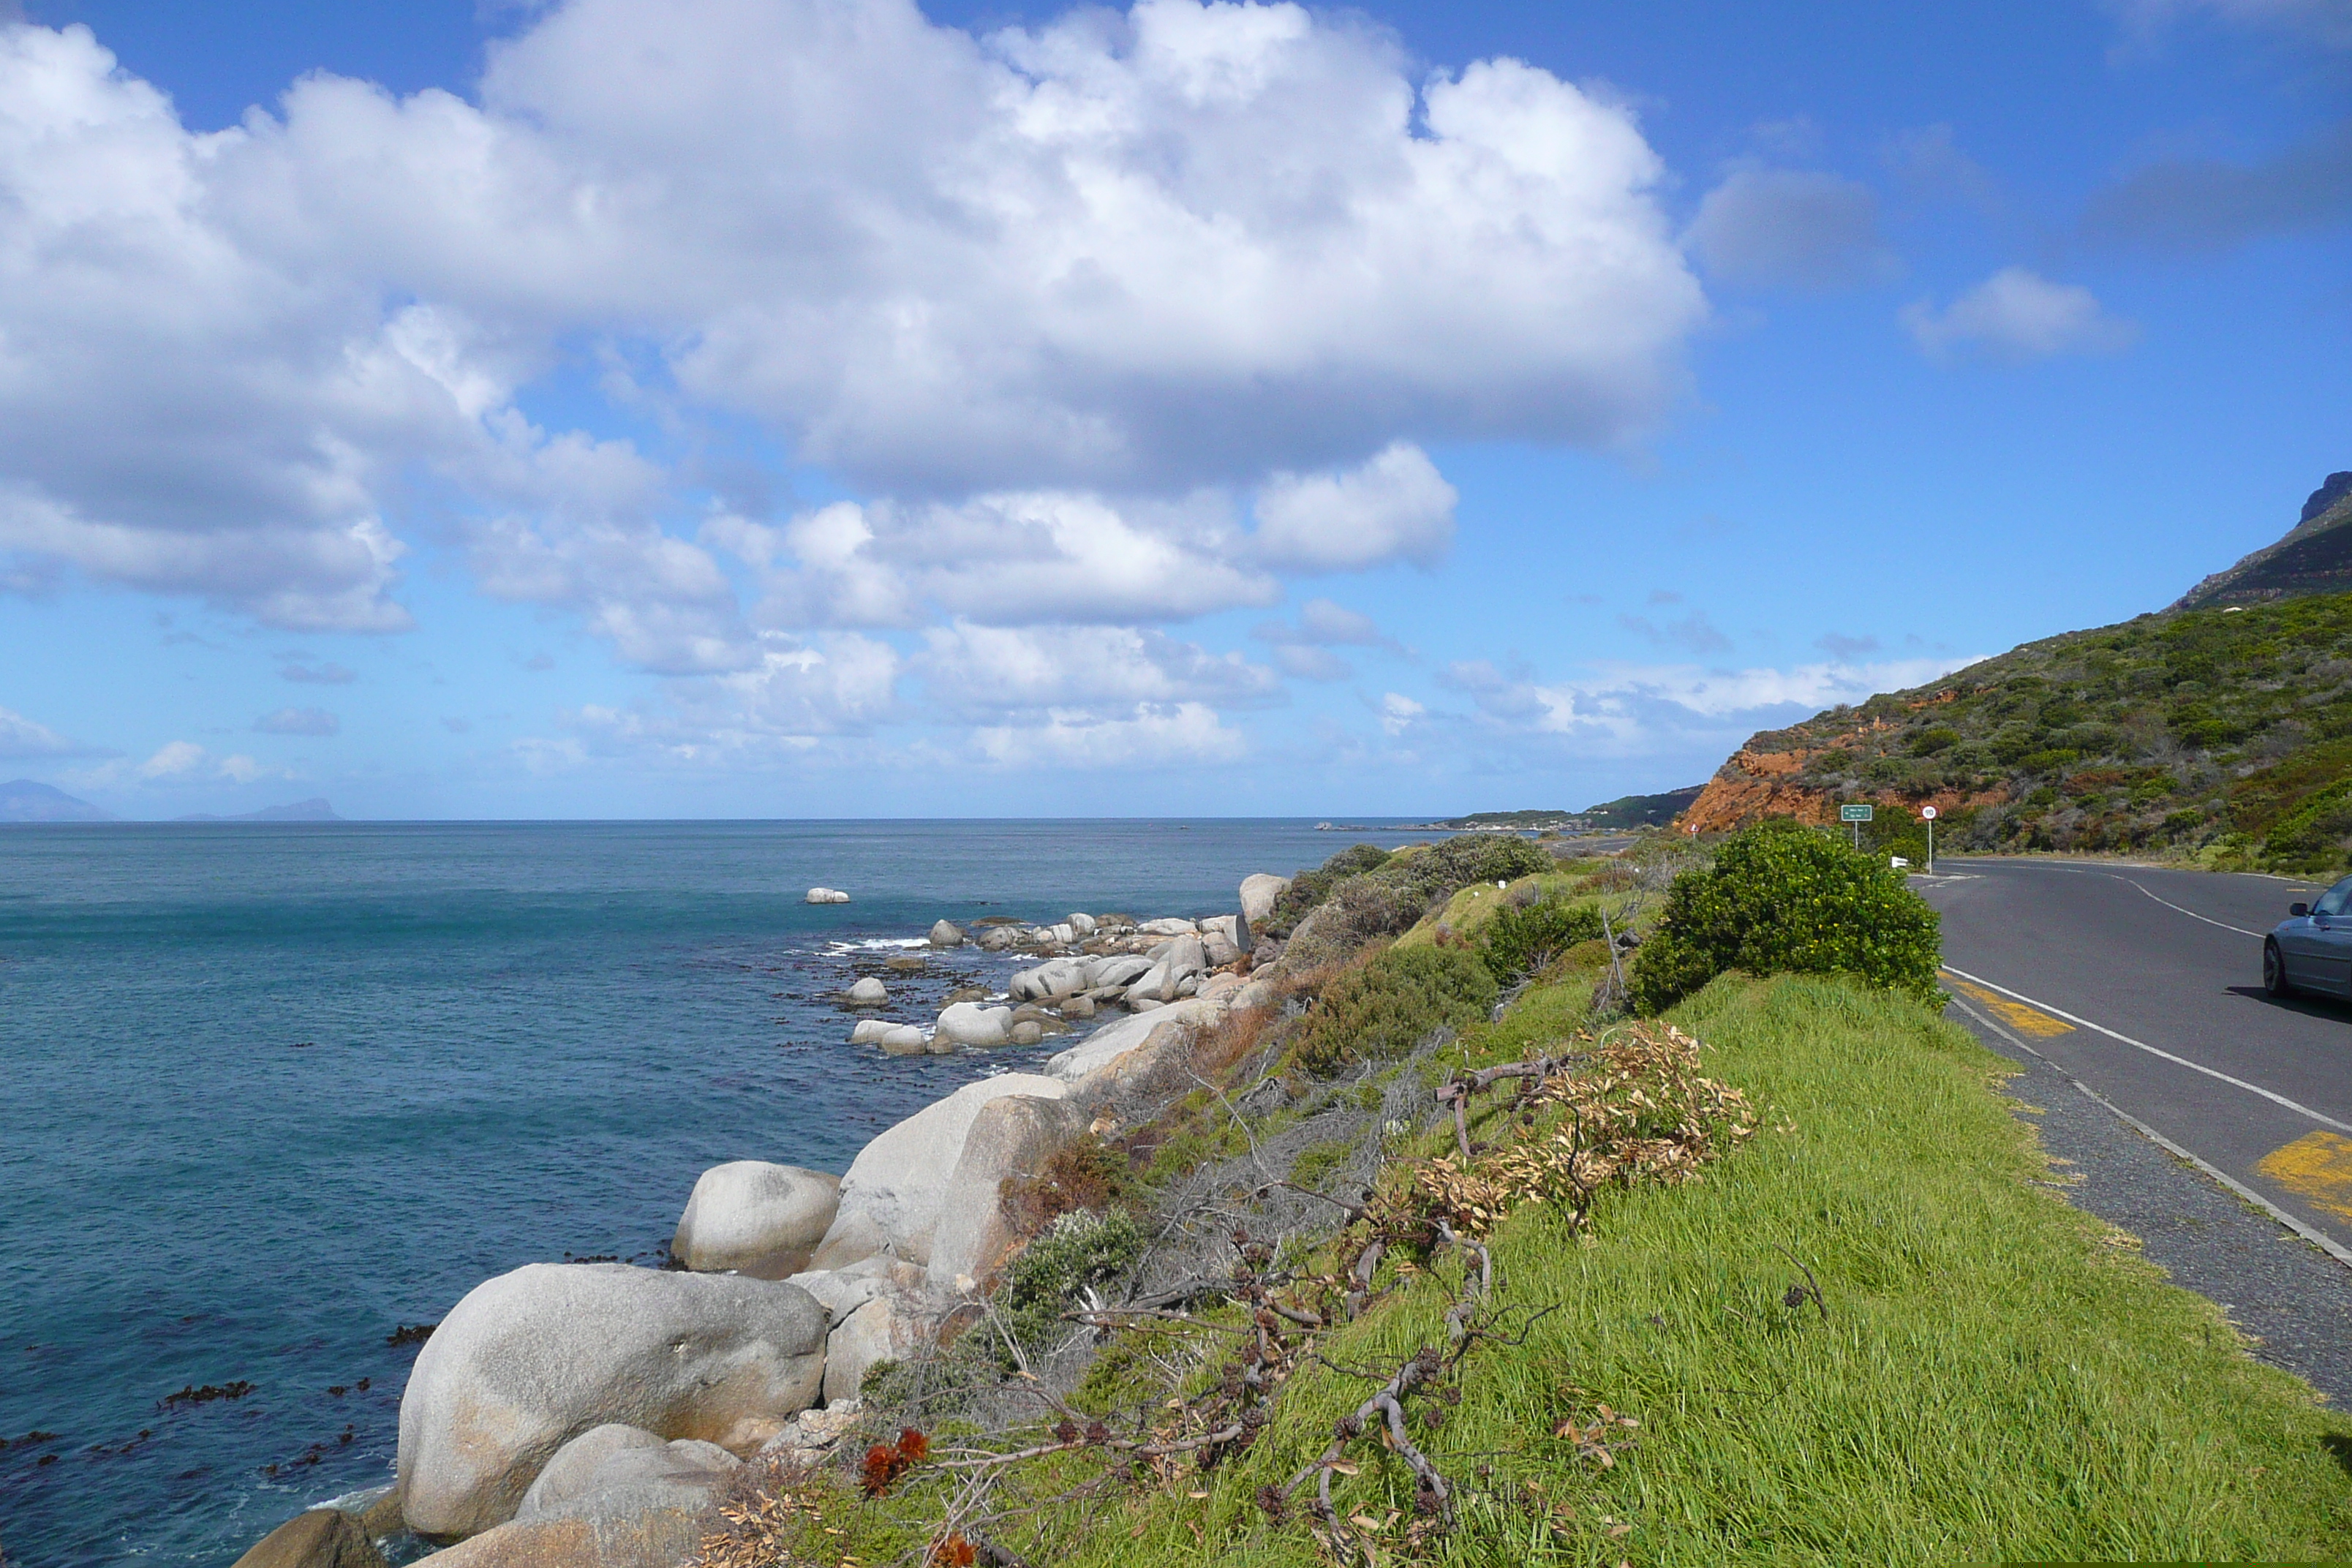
(582, 1414)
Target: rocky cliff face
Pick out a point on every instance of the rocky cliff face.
(2316, 557)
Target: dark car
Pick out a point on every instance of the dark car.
(2311, 950)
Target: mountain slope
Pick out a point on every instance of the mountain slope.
(2316, 557)
(2225, 730)
(24, 800)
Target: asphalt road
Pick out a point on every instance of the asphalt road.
(2146, 986)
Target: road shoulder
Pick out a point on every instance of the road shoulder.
(2292, 1300)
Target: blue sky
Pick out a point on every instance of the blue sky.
(720, 408)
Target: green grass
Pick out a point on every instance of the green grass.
(1995, 1379)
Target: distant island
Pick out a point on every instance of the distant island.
(23, 800)
(315, 809)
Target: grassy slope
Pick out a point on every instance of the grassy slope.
(2209, 730)
(1995, 1378)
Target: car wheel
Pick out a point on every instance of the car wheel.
(2275, 981)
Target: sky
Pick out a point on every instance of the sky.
(820, 409)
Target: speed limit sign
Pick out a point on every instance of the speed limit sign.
(1928, 811)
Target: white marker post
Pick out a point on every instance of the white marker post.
(1929, 813)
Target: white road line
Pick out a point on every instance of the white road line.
(2312, 1234)
(2151, 1050)
(2192, 914)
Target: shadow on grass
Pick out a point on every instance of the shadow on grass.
(2339, 1444)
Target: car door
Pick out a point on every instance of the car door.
(2325, 961)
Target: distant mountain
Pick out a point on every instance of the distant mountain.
(1641, 810)
(2314, 557)
(22, 800)
(315, 809)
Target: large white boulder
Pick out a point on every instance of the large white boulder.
(869, 1031)
(890, 1197)
(531, 1359)
(842, 1291)
(755, 1218)
(1145, 1032)
(1056, 977)
(1169, 927)
(1082, 925)
(945, 934)
(887, 1328)
(969, 1024)
(1219, 949)
(1012, 1137)
(904, 1040)
(1118, 969)
(866, 991)
(679, 1474)
(825, 896)
(1258, 893)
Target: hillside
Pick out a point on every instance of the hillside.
(1641, 810)
(2225, 731)
(2222, 728)
(315, 809)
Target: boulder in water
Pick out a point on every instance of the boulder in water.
(904, 1040)
(755, 1218)
(969, 1024)
(533, 1358)
(825, 896)
(321, 1537)
(866, 992)
(945, 934)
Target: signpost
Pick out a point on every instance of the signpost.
(1928, 811)
(1857, 814)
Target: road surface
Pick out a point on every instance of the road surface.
(2146, 986)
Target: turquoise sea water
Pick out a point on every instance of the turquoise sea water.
(269, 1092)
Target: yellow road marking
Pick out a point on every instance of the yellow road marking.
(2316, 1166)
(2025, 1020)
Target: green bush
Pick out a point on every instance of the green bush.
(1440, 870)
(1382, 1009)
(1524, 941)
(1779, 899)
(1082, 1249)
(1309, 888)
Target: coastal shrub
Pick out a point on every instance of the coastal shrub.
(1361, 910)
(1381, 1009)
(1524, 941)
(1781, 899)
(1087, 1174)
(1440, 870)
(1309, 888)
(1043, 1281)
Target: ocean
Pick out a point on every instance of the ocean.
(269, 1093)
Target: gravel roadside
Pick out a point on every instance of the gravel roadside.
(2292, 1300)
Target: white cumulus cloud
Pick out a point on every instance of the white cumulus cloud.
(2016, 315)
(1043, 289)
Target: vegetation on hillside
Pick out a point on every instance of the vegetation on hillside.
(1378, 893)
(2225, 733)
(1641, 810)
(1799, 1294)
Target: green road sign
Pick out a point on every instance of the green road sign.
(1854, 813)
